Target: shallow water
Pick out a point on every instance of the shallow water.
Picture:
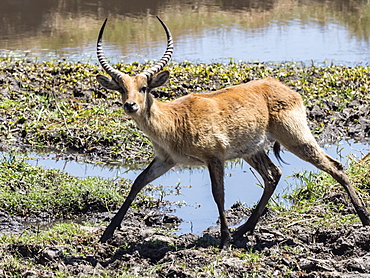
(273, 30)
(193, 185)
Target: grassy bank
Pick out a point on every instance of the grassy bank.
(32, 191)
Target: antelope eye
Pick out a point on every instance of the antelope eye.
(143, 89)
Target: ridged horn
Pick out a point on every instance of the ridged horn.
(115, 74)
(166, 57)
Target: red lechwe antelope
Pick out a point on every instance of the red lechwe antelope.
(208, 129)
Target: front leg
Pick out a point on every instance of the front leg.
(155, 169)
(216, 170)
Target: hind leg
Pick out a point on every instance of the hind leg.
(297, 138)
(315, 155)
(271, 175)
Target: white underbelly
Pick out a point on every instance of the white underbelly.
(250, 148)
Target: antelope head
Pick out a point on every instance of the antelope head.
(135, 90)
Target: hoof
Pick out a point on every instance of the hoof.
(225, 245)
(225, 241)
(108, 233)
(240, 241)
(237, 235)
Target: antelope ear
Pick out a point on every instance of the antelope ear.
(159, 79)
(107, 82)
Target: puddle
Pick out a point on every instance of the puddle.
(192, 186)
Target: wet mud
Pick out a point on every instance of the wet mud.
(145, 247)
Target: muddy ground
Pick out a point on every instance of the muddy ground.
(146, 246)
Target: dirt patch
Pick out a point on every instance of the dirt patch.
(144, 247)
(331, 125)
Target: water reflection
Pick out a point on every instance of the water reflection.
(273, 30)
(194, 184)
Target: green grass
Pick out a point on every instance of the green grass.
(30, 191)
(322, 202)
(20, 254)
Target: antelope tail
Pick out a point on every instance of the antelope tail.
(276, 149)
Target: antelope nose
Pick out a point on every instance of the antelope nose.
(130, 107)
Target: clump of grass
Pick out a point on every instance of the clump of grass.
(322, 202)
(24, 255)
(28, 190)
